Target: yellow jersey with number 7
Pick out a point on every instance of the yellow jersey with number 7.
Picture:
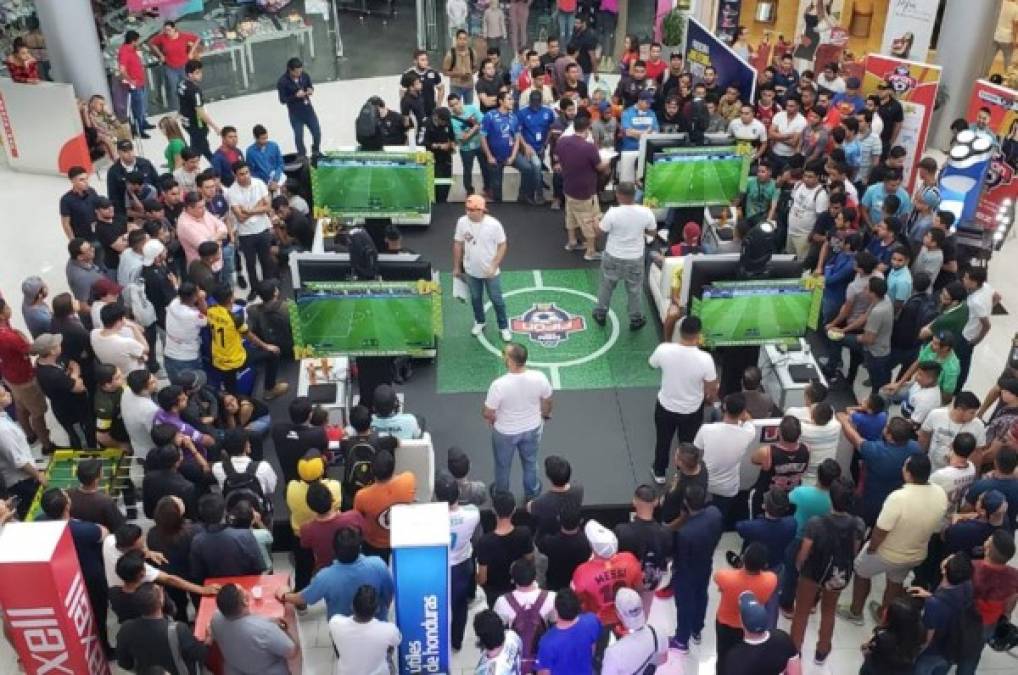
(227, 342)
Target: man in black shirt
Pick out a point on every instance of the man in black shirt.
(219, 550)
(162, 474)
(891, 114)
(127, 162)
(548, 58)
(363, 443)
(488, 87)
(65, 390)
(433, 93)
(391, 126)
(545, 508)
(411, 105)
(192, 109)
(571, 82)
(77, 206)
(632, 85)
(111, 233)
(762, 651)
(438, 139)
(294, 438)
(585, 42)
(144, 643)
(173, 200)
(647, 539)
(297, 225)
(499, 549)
(565, 550)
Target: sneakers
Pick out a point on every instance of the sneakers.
(697, 638)
(277, 391)
(680, 647)
(659, 479)
(241, 281)
(477, 329)
(637, 324)
(556, 205)
(572, 247)
(506, 334)
(845, 612)
(819, 659)
(591, 257)
(599, 317)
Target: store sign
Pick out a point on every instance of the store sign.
(704, 49)
(915, 86)
(1001, 183)
(908, 29)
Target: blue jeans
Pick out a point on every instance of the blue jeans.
(788, 580)
(461, 590)
(565, 26)
(534, 164)
(308, 119)
(139, 107)
(465, 93)
(494, 174)
(468, 157)
(505, 446)
(494, 286)
(229, 264)
(774, 602)
(259, 426)
(172, 77)
(174, 366)
(690, 593)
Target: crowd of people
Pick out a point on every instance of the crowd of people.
(152, 351)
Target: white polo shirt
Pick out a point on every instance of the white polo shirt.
(480, 244)
(516, 400)
(684, 370)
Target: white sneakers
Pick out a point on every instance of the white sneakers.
(477, 329)
(505, 333)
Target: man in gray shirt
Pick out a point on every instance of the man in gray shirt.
(251, 645)
(876, 337)
(82, 271)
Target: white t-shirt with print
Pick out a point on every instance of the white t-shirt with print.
(943, 431)
(807, 204)
(480, 244)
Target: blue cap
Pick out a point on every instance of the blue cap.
(646, 95)
(754, 615)
(993, 500)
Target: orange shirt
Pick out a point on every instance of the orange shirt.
(597, 580)
(732, 583)
(375, 501)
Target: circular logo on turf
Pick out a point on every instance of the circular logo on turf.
(547, 324)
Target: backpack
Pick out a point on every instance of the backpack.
(359, 462)
(833, 555)
(141, 307)
(653, 560)
(963, 638)
(244, 485)
(363, 255)
(453, 58)
(366, 125)
(530, 626)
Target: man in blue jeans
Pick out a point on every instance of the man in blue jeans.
(692, 561)
(501, 145)
(517, 406)
(535, 128)
(295, 90)
(466, 126)
(478, 247)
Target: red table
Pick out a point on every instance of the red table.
(268, 607)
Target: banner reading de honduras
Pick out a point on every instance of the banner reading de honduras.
(704, 50)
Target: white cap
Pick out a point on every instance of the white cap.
(603, 541)
(629, 607)
(151, 250)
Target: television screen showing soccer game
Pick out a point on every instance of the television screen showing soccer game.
(703, 176)
(757, 312)
(374, 184)
(378, 318)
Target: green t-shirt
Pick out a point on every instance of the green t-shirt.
(759, 197)
(173, 151)
(809, 501)
(460, 125)
(952, 321)
(950, 368)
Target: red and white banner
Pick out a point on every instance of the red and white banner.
(915, 86)
(1002, 179)
(908, 28)
(142, 5)
(47, 613)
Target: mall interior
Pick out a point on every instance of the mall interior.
(356, 49)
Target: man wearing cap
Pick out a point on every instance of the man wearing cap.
(479, 245)
(104, 291)
(596, 580)
(626, 226)
(438, 138)
(197, 225)
(295, 90)
(762, 651)
(920, 219)
(127, 163)
(34, 309)
(111, 234)
(535, 129)
(160, 289)
(65, 390)
(642, 646)
(638, 120)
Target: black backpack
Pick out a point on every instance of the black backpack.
(963, 638)
(244, 485)
(359, 463)
(366, 126)
(832, 557)
(363, 255)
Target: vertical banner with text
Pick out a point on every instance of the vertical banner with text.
(908, 29)
(704, 49)
(1001, 184)
(915, 86)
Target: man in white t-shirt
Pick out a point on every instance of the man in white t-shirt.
(688, 381)
(809, 199)
(185, 318)
(250, 203)
(238, 447)
(724, 444)
(526, 594)
(139, 410)
(748, 130)
(942, 426)
(919, 396)
(363, 643)
(464, 521)
(959, 473)
(980, 301)
(516, 407)
(119, 342)
(785, 134)
(821, 433)
(626, 226)
(642, 644)
(478, 247)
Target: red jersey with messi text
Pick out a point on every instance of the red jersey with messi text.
(597, 580)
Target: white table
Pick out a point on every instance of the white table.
(776, 379)
(339, 374)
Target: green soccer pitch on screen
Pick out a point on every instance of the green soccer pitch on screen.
(704, 176)
(374, 184)
(757, 312)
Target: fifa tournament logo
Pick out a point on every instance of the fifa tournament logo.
(900, 80)
(547, 325)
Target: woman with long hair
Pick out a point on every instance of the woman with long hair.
(171, 535)
(630, 52)
(896, 642)
(98, 117)
(741, 43)
(175, 137)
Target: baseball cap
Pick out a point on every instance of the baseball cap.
(931, 197)
(603, 541)
(125, 145)
(753, 614)
(476, 202)
(852, 83)
(311, 467)
(47, 342)
(190, 379)
(105, 286)
(993, 500)
(629, 607)
(151, 250)
(691, 231)
(646, 95)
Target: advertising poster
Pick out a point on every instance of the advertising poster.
(728, 19)
(1001, 180)
(909, 28)
(704, 49)
(915, 86)
(819, 23)
(142, 5)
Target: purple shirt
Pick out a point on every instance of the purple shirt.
(579, 159)
(163, 417)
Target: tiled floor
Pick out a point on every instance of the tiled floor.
(32, 243)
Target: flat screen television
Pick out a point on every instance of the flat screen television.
(694, 176)
(374, 184)
(736, 313)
